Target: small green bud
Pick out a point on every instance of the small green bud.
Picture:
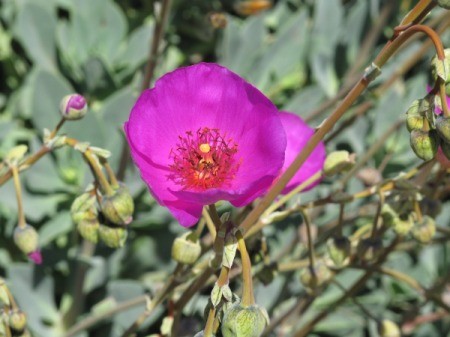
(17, 320)
(339, 250)
(240, 321)
(387, 328)
(425, 230)
(27, 239)
(338, 161)
(113, 237)
(424, 144)
(4, 297)
(441, 68)
(88, 229)
(73, 107)
(388, 215)
(415, 119)
(119, 207)
(186, 249)
(402, 225)
(83, 208)
(314, 277)
(443, 127)
(368, 250)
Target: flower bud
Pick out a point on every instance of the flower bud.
(113, 237)
(26, 239)
(338, 161)
(443, 127)
(186, 249)
(73, 107)
(424, 144)
(402, 225)
(313, 277)
(4, 297)
(415, 118)
(17, 320)
(388, 215)
(88, 229)
(240, 321)
(83, 208)
(119, 207)
(387, 328)
(339, 250)
(425, 230)
(368, 250)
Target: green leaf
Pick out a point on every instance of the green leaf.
(34, 28)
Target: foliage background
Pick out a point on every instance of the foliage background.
(300, 53)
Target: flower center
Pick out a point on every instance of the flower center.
(203, 160)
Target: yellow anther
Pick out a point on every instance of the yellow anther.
(205, 148)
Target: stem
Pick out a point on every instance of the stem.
(57, 128)
(310, 240)
(214, 215)
(209, 327)
(209, 223)
(418, 12)
(149, 73)
(377, 215)
(248, 298)
(341, 219)
(443, 96)
(18, 188)
(111, 174)
(95, 167)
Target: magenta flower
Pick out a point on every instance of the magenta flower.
(203, 134)
(36, 257)
(298, 133)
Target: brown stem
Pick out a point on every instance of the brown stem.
(18, 188)
(248, 297)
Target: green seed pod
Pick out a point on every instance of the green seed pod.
(337, 162)
(4, 298)
(27, 239)
(240, 321)
(443, 127)
(425, 230)
(415, 120)
(339, 251)
(315, 277)
(388, 215)
(83, 208)
(368, 250)
(88, 229)
(402, 225)
(17, 320)
(424, 144)
(113, 237)
(186, 249)
(119, 207)
(73, 107)
(387, 328)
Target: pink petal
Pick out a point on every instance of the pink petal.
(36, 257)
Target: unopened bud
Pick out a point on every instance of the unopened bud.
(368, 250)
(83, 208)
(17, 320)
(338, 161)
(388, 215)
(88, 229)
(387, 328)
(425, 230)
(73, 107)
(113, 237)
(186, 249)
(415, 117)
(26, 238)
(424, 143)
(119, 207)
(402, 225)
(4, 297)
(339, 250)
(443, 127)
(314, 277)
(241, 321)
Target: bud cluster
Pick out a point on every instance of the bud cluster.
(116, 209)
(11, 317)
